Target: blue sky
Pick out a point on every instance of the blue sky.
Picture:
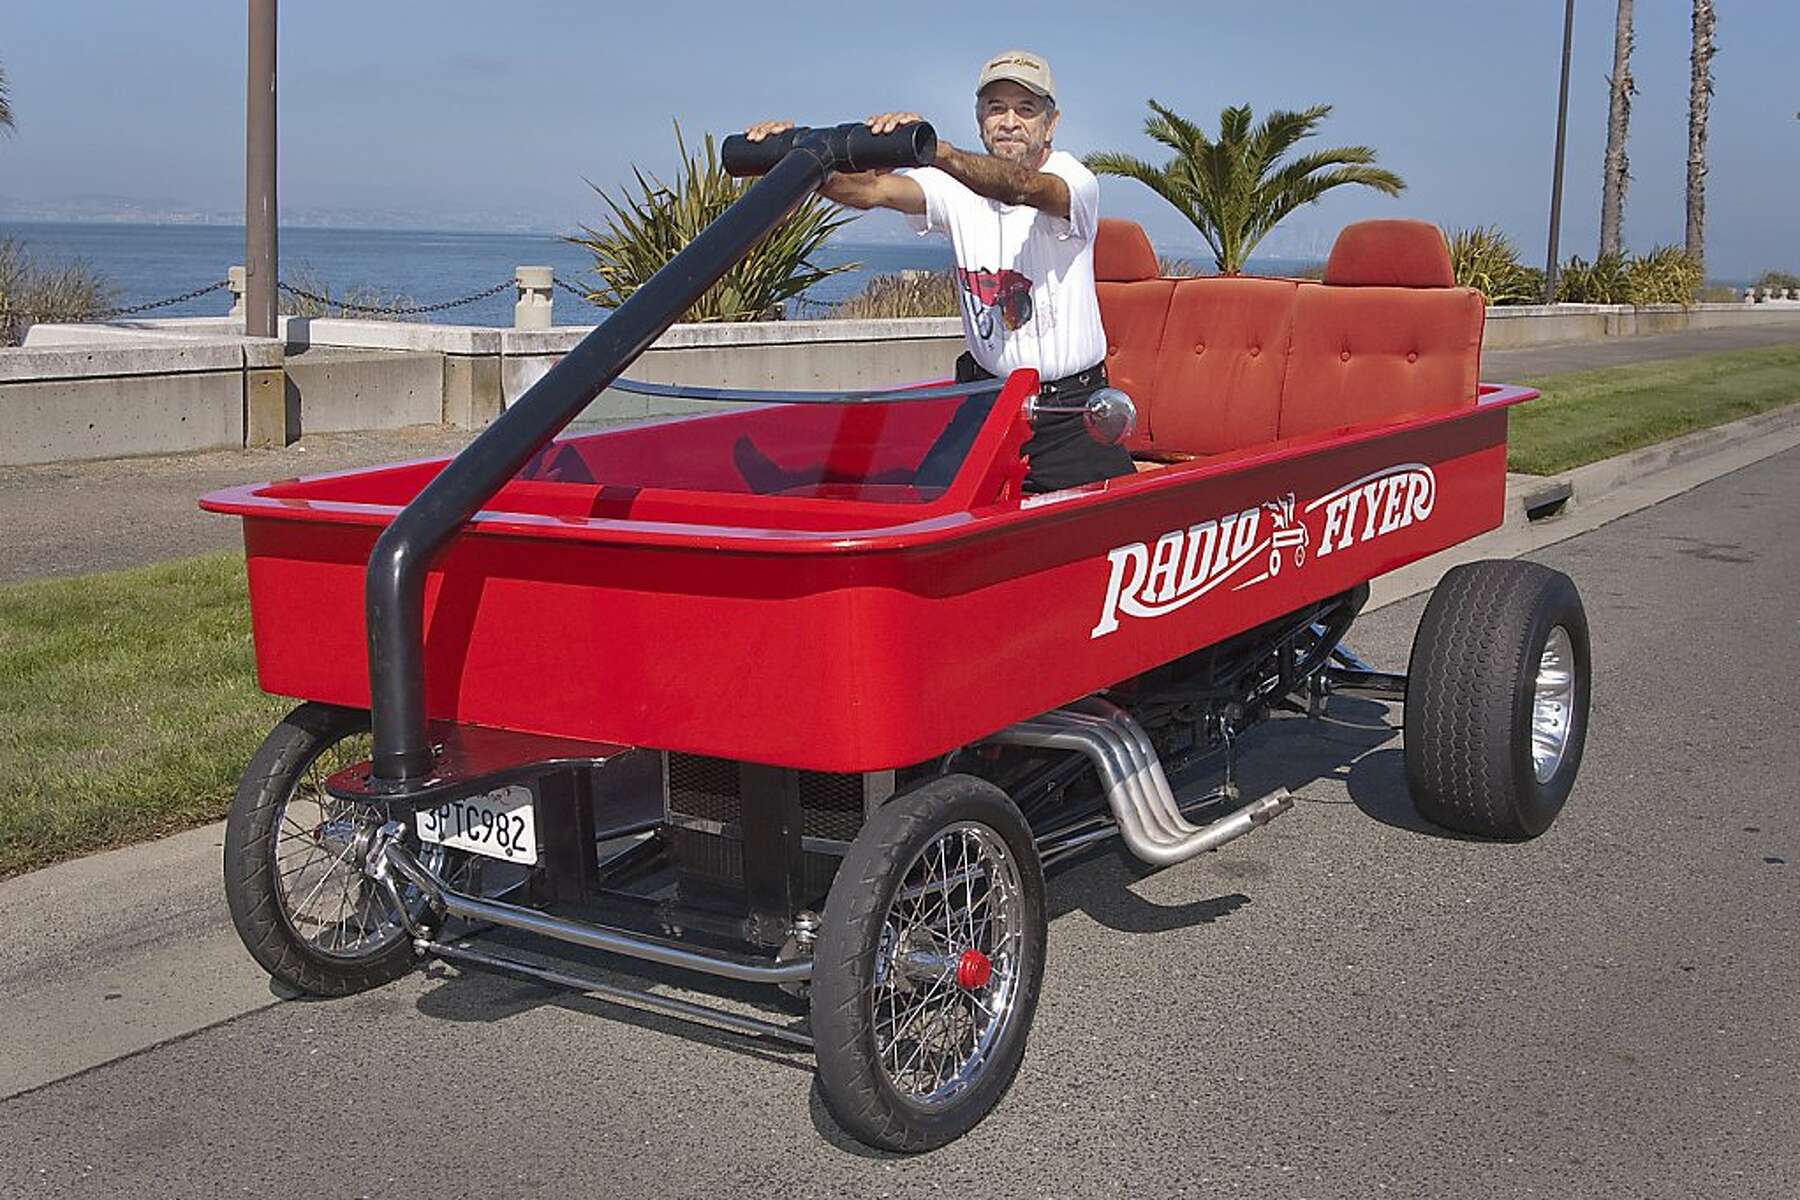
(458, 108)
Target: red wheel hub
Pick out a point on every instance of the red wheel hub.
(973, 970)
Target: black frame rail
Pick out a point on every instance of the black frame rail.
(793, 165)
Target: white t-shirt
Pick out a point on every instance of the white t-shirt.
(1026, 278)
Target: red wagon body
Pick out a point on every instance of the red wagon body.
(856, 626)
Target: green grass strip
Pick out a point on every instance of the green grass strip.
(1586, 416)
(128, 706)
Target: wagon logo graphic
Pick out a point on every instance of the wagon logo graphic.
(1243, 549)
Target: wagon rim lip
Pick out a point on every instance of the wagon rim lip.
(1553, 704)
(997, 933)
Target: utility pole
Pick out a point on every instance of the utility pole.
(1562, 128)
(260, 249)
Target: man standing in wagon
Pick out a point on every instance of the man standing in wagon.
(1022, 219)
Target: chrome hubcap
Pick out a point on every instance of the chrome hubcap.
(947, 969)
(1553, 704)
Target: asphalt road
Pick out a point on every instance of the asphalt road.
(72, 518)
(1345, 1004)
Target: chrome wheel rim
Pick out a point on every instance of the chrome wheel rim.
(326, 897)
(1552, 704)
(948, 967)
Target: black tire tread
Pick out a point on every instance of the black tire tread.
(1473, 652)
(249, 860)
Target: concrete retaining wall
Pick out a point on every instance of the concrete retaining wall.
(107, 400)
(1549, 324)
(150, 387)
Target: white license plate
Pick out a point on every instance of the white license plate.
(497, 824)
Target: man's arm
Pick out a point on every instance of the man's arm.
(874, 189)
(1007, 182)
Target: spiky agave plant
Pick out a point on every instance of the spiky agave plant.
(1485, 259)
(1666, 275)
(643, 231)
(1239, 186)
(1602, 281)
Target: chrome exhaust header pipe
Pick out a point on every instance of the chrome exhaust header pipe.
(1137, 790)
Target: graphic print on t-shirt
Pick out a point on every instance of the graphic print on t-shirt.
(987, 292)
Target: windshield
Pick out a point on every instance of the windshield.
(892, 446)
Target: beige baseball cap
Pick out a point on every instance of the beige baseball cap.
(1022, 67)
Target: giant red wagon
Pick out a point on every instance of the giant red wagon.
(662, 690)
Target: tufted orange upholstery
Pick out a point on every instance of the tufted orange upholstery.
(1224, 357)
(1133, 306)
(1122, 254)
(1219, 364)
(1390, 254)
(1132, 314)
(1369, 354)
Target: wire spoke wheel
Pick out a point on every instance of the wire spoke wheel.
(949, 964)
(321, 852)
(296, 858)
(928, 963)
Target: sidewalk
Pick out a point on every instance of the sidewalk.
(73, 518)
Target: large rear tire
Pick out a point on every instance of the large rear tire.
(928, 965)
(1497, 699)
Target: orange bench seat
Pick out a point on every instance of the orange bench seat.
(1222, 363)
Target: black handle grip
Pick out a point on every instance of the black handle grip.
(846, 147)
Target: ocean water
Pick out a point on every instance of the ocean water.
(150, 262)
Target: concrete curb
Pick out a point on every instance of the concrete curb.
(120, 951)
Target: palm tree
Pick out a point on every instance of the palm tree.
(1238, 188)
(1700, 89)
(6, 117)
(1618, 119)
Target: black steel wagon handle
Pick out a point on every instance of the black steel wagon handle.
(394, 587)
(852, 147)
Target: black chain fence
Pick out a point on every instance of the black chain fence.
(108, 314)
(410, 310)
(579, 293)
(801, 304)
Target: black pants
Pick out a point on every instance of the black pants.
(1060, 453)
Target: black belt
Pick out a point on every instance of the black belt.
(968, 371)
(1080, 381)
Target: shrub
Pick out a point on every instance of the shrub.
(1602, 281)
(1666, 275)
(644, 231)
(360, 301)
(1777, 280)
(31, 292)
(906, 294)
(1170, 266)
(1485, 259)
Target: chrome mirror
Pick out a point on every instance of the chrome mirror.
(1109, 416)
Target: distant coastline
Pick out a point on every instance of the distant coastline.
(151, 260)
